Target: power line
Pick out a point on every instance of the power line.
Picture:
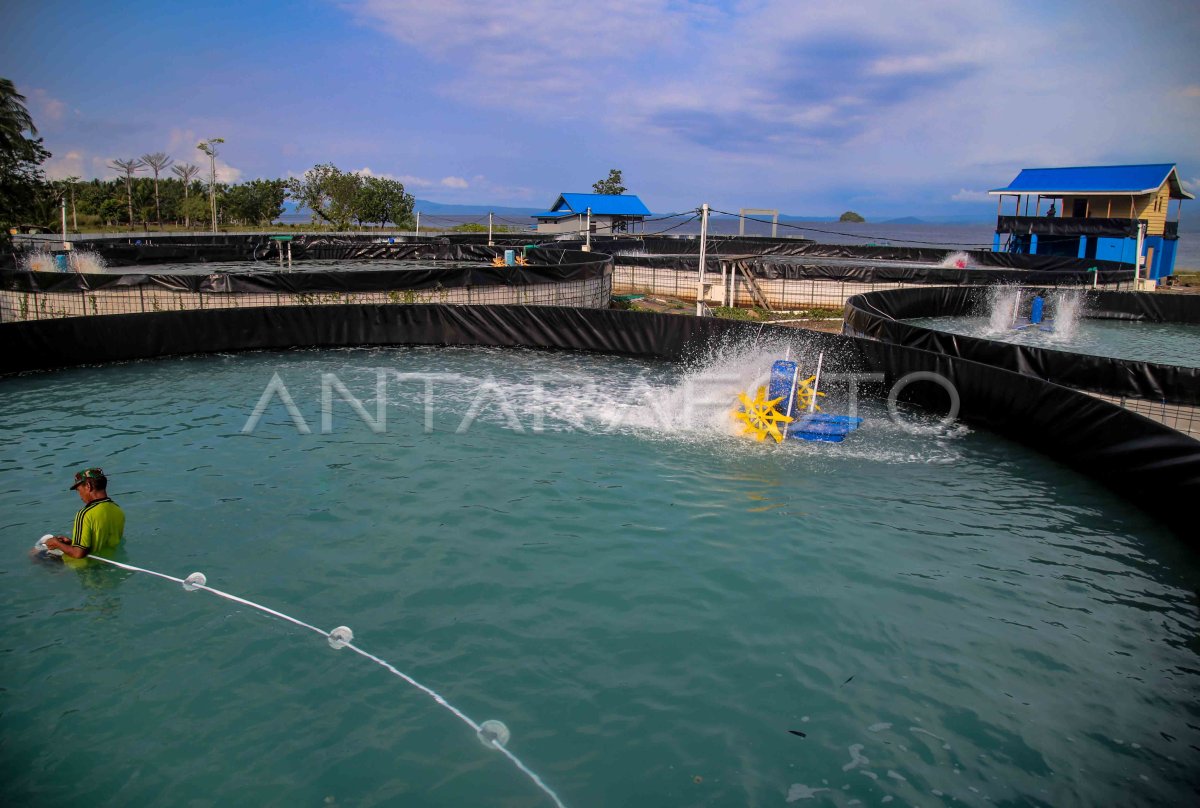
(673, 227)
(853, 235)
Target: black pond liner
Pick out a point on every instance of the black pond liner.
(1140, 459)
(878, 315)
(801, 259)
(545, 266)
(762, 256)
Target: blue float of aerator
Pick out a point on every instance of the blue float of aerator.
(819, 426)
(783, 373)
(808, 425)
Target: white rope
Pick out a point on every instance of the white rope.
(490, 742)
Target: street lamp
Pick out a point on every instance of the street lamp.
(209, 147)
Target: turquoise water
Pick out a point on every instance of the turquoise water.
(1165, 343)
(649, 605)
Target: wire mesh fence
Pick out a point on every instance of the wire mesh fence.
(742, 290)
(1180, 417)
(23, 306)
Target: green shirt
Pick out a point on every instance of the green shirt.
(99, 526)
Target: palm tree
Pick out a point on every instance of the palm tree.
(209, 147)
(186, 172)
(130, 167)
(157, 162)
(14, 117)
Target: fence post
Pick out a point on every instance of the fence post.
(142, 297)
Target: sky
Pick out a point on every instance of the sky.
(810, 107)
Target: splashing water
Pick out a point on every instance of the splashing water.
(1003, 304)
(39, 262)
(654, 402)
(956, 260)
(1067, 312)
(88, 261)
(1007, 304)
(76, 260)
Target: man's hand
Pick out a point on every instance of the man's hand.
(64, 544)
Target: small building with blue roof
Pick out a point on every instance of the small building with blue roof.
(1094, 212)
(609, 213)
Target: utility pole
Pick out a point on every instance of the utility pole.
(587, 246)
(418, 224)
(74, 216)
(703, 258)
(1137, 260)
(209, 147)
(490, 242)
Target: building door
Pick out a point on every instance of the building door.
(1079, 208)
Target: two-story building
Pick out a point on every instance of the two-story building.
(1094, 212)
(607, 213)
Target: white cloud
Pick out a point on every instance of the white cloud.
(226, 172)
(561, 50)
(965, 195)
(410, 181)
(45, 107)
(69, 164)
(942, 94)
(181, 144)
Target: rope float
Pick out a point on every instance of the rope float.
(492, 734)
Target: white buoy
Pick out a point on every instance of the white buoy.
(340, 637)
(195, 581)
(41, 545)
(493, 733)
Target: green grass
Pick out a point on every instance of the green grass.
(766, 315)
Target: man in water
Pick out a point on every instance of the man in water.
(100, 523)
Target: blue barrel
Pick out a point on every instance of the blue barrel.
(1037, 309)
(510, 258)
(61, 263)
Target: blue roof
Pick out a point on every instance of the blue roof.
(601, 205)
(1142, 179)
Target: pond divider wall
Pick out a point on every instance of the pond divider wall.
(1146, 462)
(553, 278)
(878, 315)
(789, 274)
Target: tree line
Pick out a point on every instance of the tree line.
(154, 188)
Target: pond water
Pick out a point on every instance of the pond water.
(661, 612)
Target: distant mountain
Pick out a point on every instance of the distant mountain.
(783, 217)
(439, 208)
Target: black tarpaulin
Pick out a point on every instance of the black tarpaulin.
(878, 315)
(1068, 227)
(546, 266)
(893, 273)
